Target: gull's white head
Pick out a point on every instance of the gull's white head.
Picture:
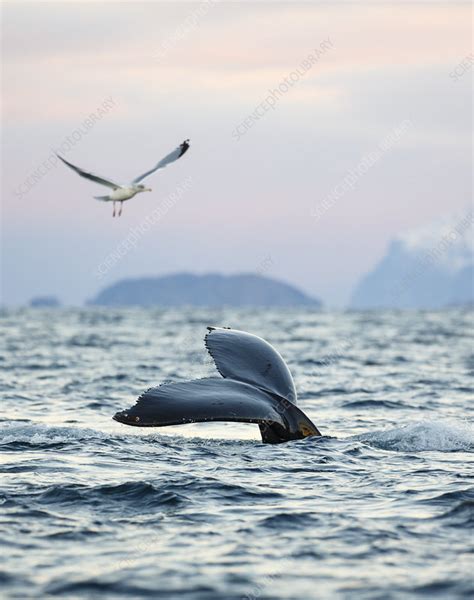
(142, 188)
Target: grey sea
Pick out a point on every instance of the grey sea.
(380, 507)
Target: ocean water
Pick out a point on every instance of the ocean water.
(380, 507)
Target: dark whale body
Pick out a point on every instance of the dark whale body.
(256, 387)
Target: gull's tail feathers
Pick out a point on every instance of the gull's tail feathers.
(103, 198)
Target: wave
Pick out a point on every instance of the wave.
(139, 494)
(423, 436)
(46, 435)
(292, 521)
(374, 404)
(16, 435)
(130, 498)
(462, 515)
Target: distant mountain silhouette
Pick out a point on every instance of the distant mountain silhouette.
(186, 289)
(45, 301)
(428, 267)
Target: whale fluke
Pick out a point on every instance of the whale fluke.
(257, 387)
(246, 357)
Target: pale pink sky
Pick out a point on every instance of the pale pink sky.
(251, 198)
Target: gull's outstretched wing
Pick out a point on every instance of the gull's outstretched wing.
(171, 157)
(248, 358)
(90, 176)
(210, 399)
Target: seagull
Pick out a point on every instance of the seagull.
(121, 192)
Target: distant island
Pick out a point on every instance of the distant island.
(187, 289)
(429, 267)
(45, 301)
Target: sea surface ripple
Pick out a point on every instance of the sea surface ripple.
(382, 506)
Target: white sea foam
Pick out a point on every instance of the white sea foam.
(45, 434)
(446, 436)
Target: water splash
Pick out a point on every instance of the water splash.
(41, 435)
(423, 436)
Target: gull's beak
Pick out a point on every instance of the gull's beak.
(148, 190)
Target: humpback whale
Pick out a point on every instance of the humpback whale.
(256, 386)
